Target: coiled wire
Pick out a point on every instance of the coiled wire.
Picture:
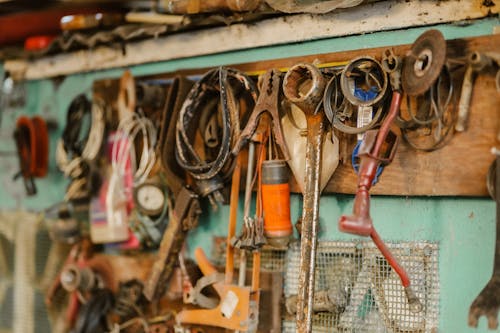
(124, 149)
(74, 154)
(434, 115)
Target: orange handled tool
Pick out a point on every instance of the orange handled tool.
(276, 202)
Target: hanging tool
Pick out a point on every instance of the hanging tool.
(339, 109)
(186, 207)
(304, 85)
(81, 273)
(238, 306)
(372, 155)
(424, 63)
(487, 303)
(276, 202)
(476, 62)
(295, 128)
(380, 145)
(267, 106)
(32, 142)
(364, 84)
(252, 237)
(265, 113)
(210, 167)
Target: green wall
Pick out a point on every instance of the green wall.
(464, 227)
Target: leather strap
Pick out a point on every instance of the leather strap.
(177, 93)
(186, 210)
(217, 83)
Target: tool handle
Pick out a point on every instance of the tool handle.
(233, 217)
(465, 97)
(360, 223)
(310, 222)
(496, 260)
(201, 259)
(386, 124)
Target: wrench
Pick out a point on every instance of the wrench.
(303, 85)
(487, 303)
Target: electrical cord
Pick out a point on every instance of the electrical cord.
(123, 155)
(77, 149)
(124, 150)
(92, 317)
(71, 152)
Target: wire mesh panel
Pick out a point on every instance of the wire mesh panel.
(23, 255)
(356, 290)
(6, 283)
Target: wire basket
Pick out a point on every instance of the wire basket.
(360, 291)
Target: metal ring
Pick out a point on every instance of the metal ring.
(373, 71)
(333, 114)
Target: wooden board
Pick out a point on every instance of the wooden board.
(458, 169)
(366, 18)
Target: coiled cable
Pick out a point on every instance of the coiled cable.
(75, 151)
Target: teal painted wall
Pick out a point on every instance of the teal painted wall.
(464, 227)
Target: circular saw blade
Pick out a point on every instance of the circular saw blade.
(423, 64)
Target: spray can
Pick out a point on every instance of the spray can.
(276, 202)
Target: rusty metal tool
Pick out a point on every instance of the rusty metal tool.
(238, 306)
(476, 62)
(487, 303)
(267, 104)
(185, 213)
(80, 273)
(372, 155)
(303, 85)
(420, 70)
(186, 204)
(423, 64)
(237, 309)
(265, 112)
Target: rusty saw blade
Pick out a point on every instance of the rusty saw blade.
(423, 64)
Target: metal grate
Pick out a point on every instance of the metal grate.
(363, 293)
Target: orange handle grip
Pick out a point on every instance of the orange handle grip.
(276, 204)
(201, 259)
